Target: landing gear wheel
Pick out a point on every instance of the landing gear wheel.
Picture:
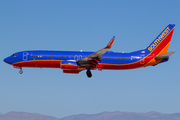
(88, 73)
(21, 71)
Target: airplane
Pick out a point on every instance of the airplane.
(77, 61)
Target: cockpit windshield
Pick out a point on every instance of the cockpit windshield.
(14, 55)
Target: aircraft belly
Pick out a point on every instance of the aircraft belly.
(123, 66)
(39, 64)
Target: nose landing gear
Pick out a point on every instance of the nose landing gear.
(88, 73)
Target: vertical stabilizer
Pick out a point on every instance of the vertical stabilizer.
(161, 44)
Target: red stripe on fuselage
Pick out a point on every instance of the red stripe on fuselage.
(39, 63)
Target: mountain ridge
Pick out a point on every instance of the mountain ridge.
(25, 116)
(116, 115)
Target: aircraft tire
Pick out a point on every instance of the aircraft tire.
(88, 73)
(20, 71)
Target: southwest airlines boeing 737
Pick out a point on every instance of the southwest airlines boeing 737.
(75, 62)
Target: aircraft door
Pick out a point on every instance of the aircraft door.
(25, 55)
(142, 59)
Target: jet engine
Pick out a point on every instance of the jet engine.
(68, 65)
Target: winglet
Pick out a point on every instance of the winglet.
(110, 43)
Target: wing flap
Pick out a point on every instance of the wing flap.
(96, 59)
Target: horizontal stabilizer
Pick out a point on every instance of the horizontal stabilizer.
(164, 55)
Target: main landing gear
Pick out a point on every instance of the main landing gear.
(20, 71)
(88, 73)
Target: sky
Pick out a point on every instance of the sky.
(88, 25)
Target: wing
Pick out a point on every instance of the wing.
(93, 59)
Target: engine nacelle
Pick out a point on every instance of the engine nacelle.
(68, 65)
(71, 71)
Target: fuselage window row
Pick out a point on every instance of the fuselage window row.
(46, 56)
(81, 57)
